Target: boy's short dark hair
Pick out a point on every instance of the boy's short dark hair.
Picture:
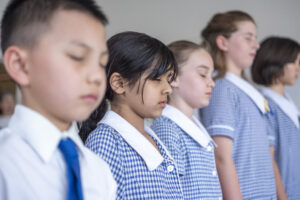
(273, 55)
(25, 20)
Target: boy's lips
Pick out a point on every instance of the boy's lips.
(91, 98)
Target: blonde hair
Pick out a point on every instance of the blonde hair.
(182, 50)
(222, 24)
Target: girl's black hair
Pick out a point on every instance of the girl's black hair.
(131, 54)
(274, 53)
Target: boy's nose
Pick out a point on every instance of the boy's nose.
(256, 44)
(97, 75)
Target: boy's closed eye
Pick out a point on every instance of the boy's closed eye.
(76, 58)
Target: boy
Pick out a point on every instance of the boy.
(56, 52)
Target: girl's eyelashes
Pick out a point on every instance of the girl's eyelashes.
(203, 75)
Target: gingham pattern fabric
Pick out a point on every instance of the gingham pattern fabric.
(196, 164)
(233, 114)
(285, 137)
(133, 178)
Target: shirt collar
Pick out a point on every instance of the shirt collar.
(195, 130)
(135, 139)
(286, 104)
(246, 87)
(42, 135)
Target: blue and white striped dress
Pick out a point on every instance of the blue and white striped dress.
(141, 172)
(193, 150)
(285, 137)
(233, 114)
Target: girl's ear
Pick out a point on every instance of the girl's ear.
(14, 59)
(175, 83)
(117, 83)
(221, 42)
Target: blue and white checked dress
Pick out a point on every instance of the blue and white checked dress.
(193, 150)
(232, 113)
(141, 172)
(285, 137)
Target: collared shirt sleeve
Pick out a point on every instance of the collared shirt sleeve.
(3, 190)
(104, 143)
(170, 135)
(220, 116)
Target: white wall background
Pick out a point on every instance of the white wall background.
(170, 20)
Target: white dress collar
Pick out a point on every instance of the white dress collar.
(135, 139)
(195, 130)
(285, 103)
(256, 97)
(42, 135)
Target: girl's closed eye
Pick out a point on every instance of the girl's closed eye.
(203, 75)
(203, 71)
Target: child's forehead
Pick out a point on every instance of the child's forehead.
(73, 26)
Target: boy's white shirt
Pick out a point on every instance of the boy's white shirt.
(136, 140)
(194, 129)
(41, 166)
(285, 103)
(246, 87)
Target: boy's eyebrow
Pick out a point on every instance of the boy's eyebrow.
(250, 34)
(81, 44)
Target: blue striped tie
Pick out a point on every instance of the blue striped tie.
(70, 154)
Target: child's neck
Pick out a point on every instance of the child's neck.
(232, 68)
(135, 120)
(181, 105)
(60, 124)
(279, 88)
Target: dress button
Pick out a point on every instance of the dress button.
(220, 198)
(209, 148)
(214, 173)
(170, 168)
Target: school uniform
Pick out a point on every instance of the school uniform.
(141, 171)
(193, 150)
(285, 137)
(238, 111)
(32, 166)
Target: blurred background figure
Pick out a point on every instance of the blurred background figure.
(7, 106)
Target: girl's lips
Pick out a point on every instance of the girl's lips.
(163, 103)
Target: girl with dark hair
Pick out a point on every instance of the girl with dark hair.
(236, 115)
(276, 65)
(139, 72)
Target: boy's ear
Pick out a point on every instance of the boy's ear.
(175, 83)
(117, 83)
(14, 59)
(221, 42)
